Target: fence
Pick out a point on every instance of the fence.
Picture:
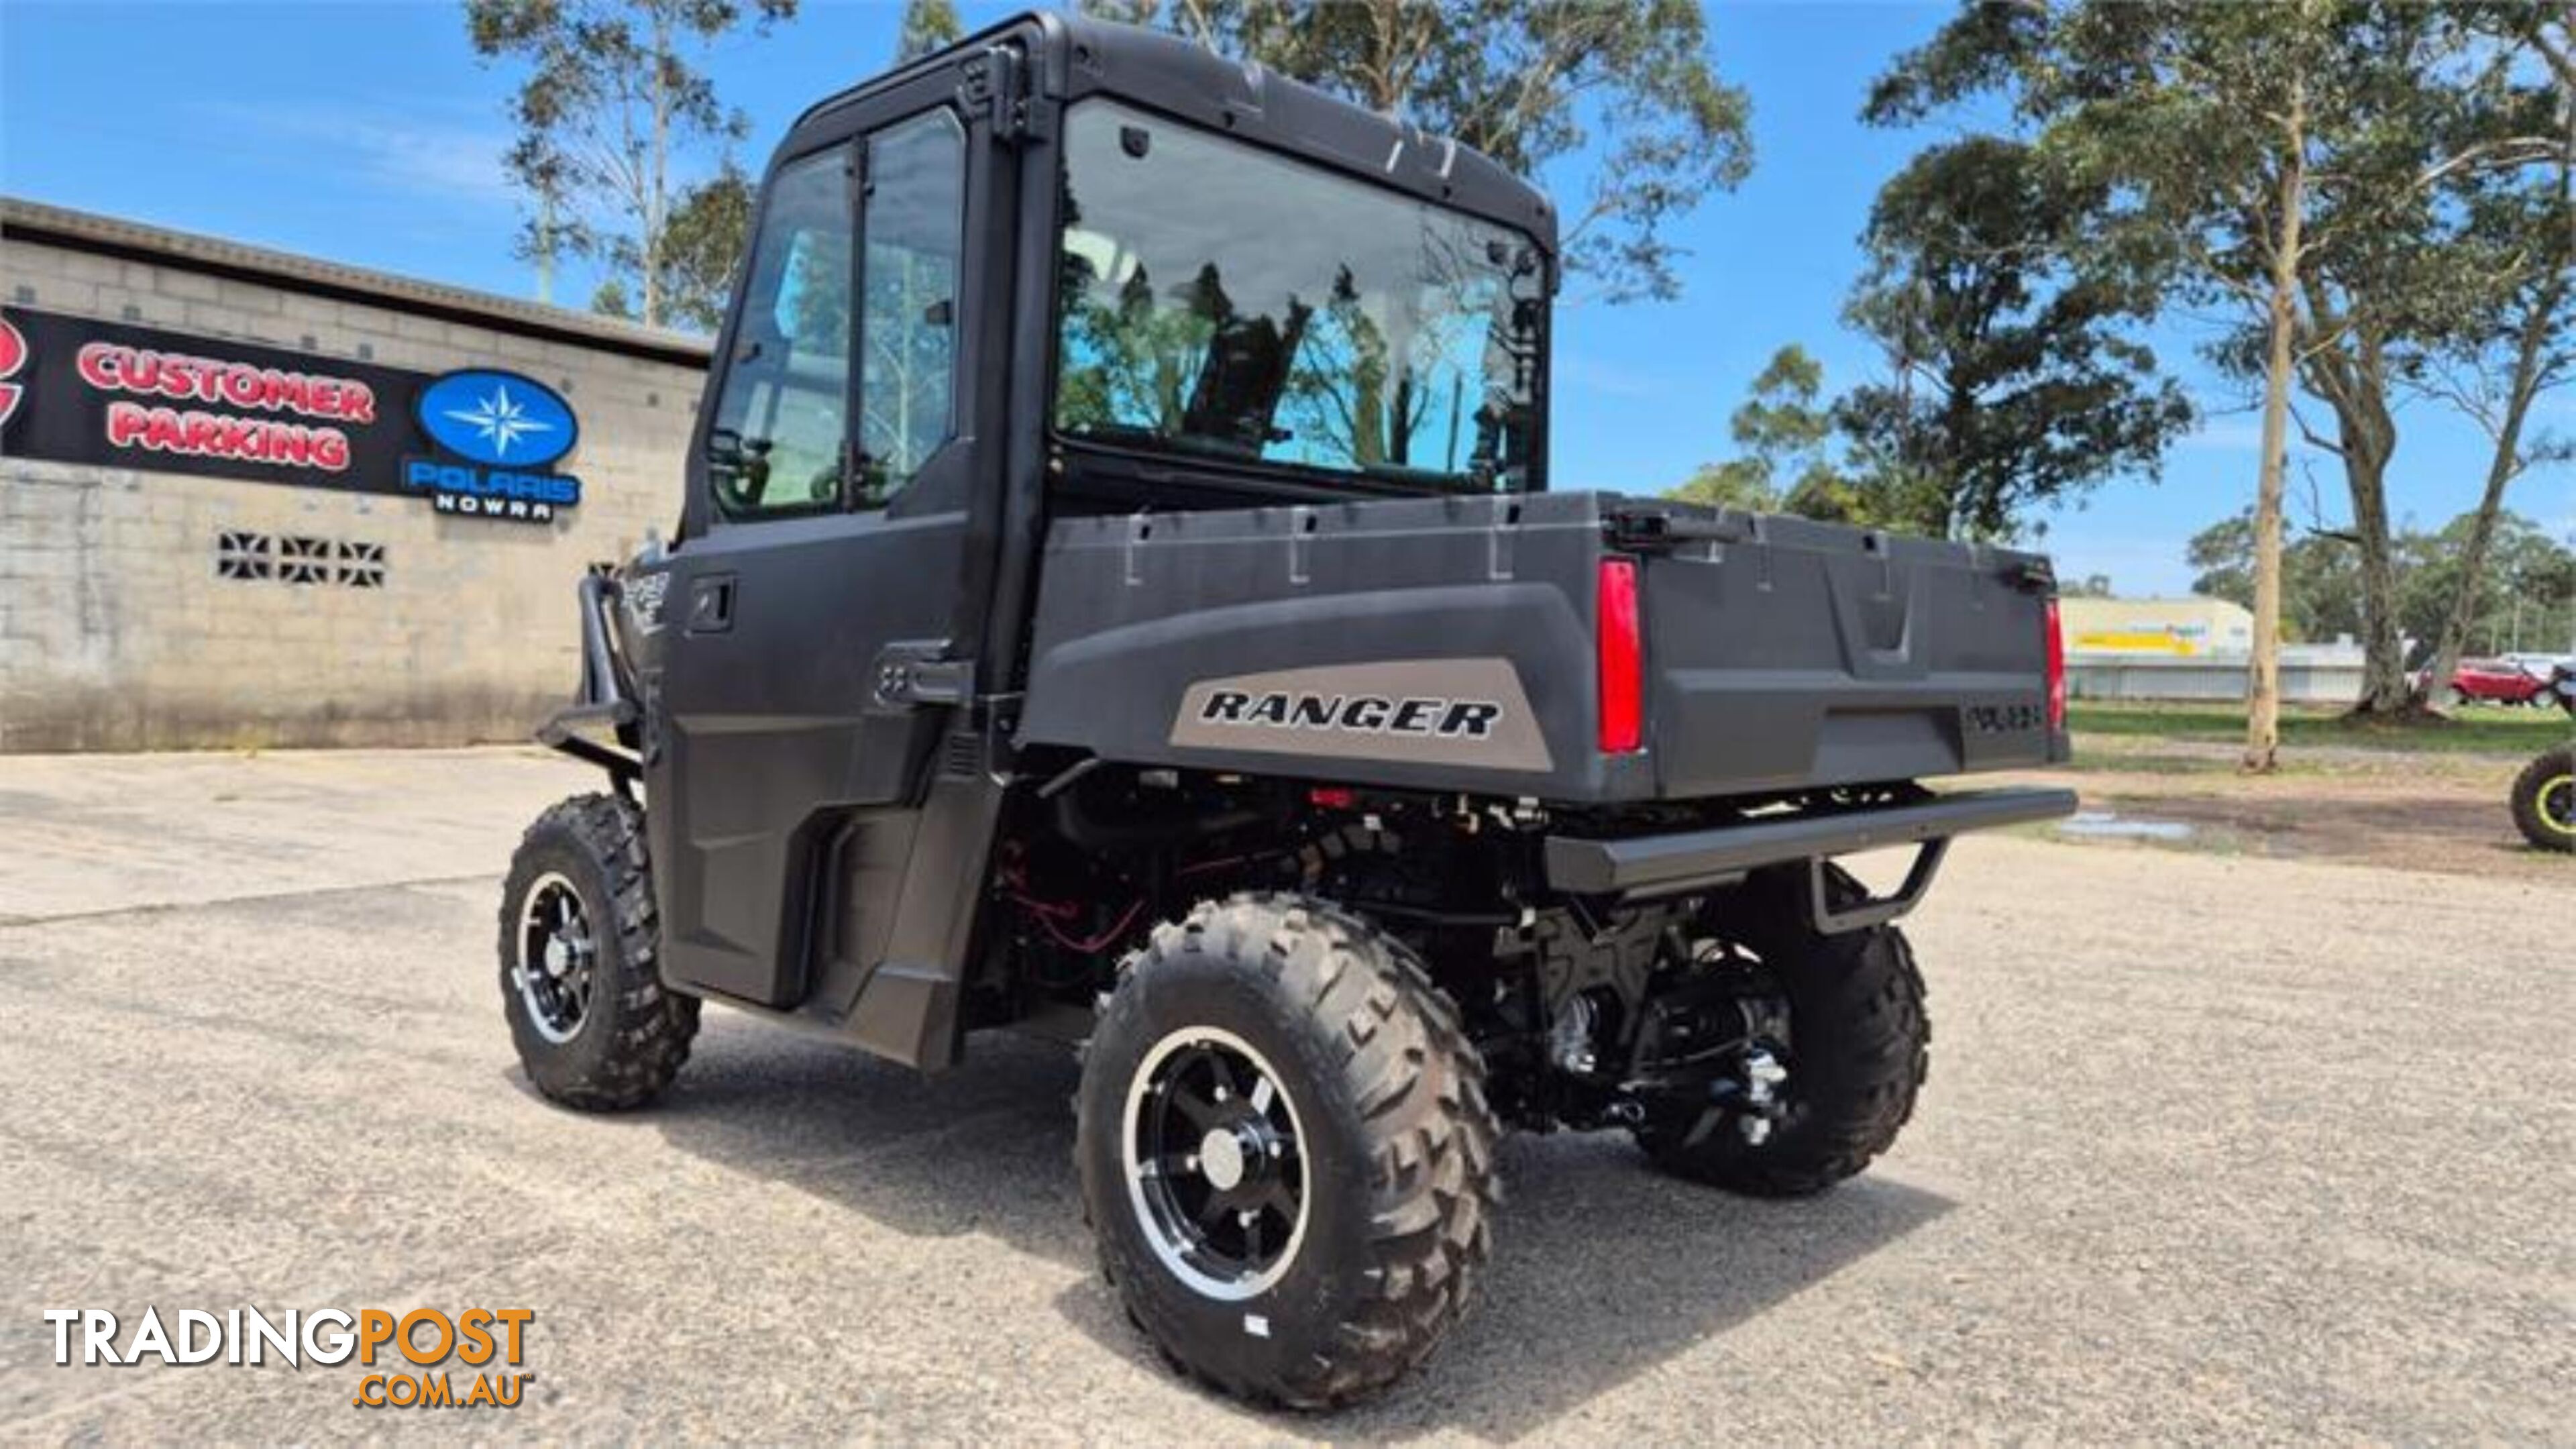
(2214, 678)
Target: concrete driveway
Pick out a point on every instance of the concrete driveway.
(2212, 1149)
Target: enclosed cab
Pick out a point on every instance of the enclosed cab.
(1117, 594)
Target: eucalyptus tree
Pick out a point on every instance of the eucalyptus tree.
(2280, 160)
(1625, 86)
(2012, 377)
(612, 99)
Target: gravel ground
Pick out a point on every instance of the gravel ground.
(2213, 1149)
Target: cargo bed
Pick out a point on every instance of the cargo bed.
(1456, 644)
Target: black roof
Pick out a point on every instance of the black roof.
(1074, 55)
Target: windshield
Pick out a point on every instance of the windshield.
(1220, 301)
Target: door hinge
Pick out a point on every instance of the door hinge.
(996, 83)
(913, 672)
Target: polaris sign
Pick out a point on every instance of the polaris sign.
(501, 430)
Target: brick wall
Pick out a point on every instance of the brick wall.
(119, 631)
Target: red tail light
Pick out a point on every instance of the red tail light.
(2056, 669)
(1620, 647)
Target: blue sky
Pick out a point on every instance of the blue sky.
(367, 132)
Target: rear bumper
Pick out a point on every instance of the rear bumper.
(1655, 865)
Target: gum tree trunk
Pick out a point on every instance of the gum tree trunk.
(2530, 351)
(2369, 441)
(2263, 671)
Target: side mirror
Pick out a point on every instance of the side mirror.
(942, 313)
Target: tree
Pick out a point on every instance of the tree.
(2524, 573)
(2320, 579)
(610, 101)
(702, 249)
(927, 25)
(1529, 83)
(1785, 428)
(2009, 383)
(2403, 257)
(2236, 147)
(2091, 586)
(2515, 591)
(2520, 233)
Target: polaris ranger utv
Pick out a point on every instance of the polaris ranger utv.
(1117, 596)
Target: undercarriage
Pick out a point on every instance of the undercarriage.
(1588, 1012)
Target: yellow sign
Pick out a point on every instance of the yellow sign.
(2136, 641)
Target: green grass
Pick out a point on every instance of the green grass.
(2474, 730)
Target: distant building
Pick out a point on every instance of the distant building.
(252, 499)
(2187, 628)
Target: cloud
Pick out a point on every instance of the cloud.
(2226, 435)
(1590, 374)
(2138, 567)
(451, 161)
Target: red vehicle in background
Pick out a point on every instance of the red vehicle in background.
(2499, 682)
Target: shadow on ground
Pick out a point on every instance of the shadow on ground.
(1603, 1269)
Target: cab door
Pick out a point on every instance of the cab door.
(812, 617)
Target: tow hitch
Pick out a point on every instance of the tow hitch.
(1752, 1098)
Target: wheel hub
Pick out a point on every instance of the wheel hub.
(1211, 1145)
(556, 956)
(1221, 1160)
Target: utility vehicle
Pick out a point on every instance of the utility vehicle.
(1117, 596)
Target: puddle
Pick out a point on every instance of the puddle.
(2107, 825)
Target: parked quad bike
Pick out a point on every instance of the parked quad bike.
(2544, 794)
(2544, 800)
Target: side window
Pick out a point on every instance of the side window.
(914, 222)
(777, 441)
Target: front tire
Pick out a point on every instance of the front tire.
(2544, 800)
(1857, 1050)
(1286, 1152)
(594, 1025)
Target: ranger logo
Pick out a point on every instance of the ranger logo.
(1366, 714)
(1459, 713)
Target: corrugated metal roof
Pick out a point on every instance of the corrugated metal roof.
(88, 231)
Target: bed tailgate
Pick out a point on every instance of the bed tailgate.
(1784, 653)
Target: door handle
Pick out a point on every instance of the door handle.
(711, 604)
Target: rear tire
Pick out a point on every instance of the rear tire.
(2544, 800)
(1371, 1120)
(1858, 1051)
(594, 1025)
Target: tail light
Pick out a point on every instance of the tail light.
(2056, 669)
(1620, 649)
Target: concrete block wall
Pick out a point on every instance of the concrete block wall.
(117, 631)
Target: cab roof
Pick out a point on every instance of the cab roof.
(1074, 55)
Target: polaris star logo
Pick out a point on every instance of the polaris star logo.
(500, 420)
(499, 433)
(1360, 713)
